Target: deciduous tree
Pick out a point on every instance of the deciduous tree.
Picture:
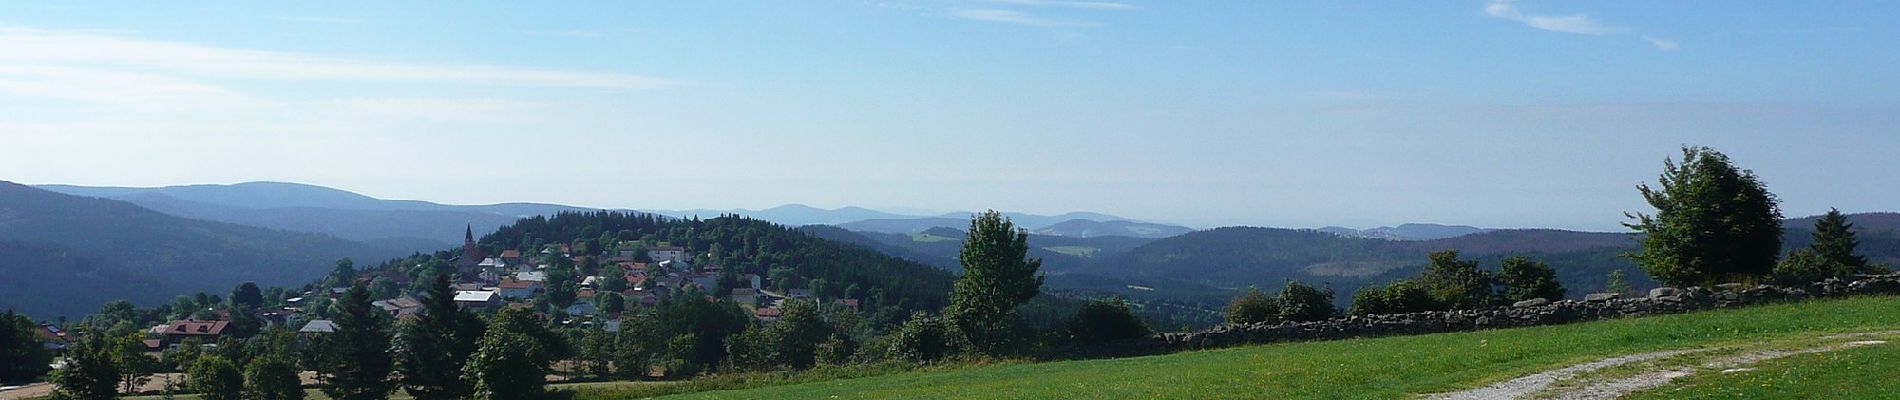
(1714, 223)
(997, 277)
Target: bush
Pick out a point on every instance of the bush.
(216, 378)
(1105, 321)
(1252, 306)
(1456, 284)
(1526, 279)
(923, 338)
(1399, 297)
(1302, 302)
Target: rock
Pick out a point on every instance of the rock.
(1729, 287)
(1531, 303)
(1594, 297)
(1663, 292)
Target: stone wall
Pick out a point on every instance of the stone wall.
(1526, 313)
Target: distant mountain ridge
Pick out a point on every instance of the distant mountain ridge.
(405, 225)
(82, 251)
(1406, 231)
(1075, 224)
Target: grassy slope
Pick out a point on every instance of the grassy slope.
(1364, 368)
(1871, 372)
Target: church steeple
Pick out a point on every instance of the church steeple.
(468, 235)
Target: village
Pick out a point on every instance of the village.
(514, 278)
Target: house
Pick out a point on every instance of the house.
(478, 300)
(847, 304)
(512, 288)
(172, 333)
(767, 314)
(798, 293)
(592, 282)
(321, 326)
(399, 306)
(536, 276)
(581, 309)
(746, 296)
(671, 253)
(511, 256)
(492, 262)
(51, 336)
(751, 279)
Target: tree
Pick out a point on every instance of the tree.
(1616, 283)
(90, 370)
(794, 339)
(1525, 279)
(22, 357)
(343, 274)
(612, 303)
(1302, 302)
(1834, 243)
(216, 378)
(509, 363)
(923, 338)
(1399, 297)
(1456, 284)
(272, 377)
(431, 351)
(1102, 321)
(1714, 223)
(247, 296)
(997, 277)
(356, 362)
(1252, 306)
(135, 368)
(1831, 255)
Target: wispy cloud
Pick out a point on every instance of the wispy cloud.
(1661, 43)
(1107, 5)
(1013, 17)
(1581, 24)
(324, 20)
(80, 49)
(1578, 23)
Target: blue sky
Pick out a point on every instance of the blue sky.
(1493, 113)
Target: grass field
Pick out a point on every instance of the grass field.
(1395, 367)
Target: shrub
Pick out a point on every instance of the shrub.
(1252, 306)
(923, 338)
(1399, 297)
(1105, 321)
(1302, 302)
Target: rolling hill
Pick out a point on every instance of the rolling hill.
(69, 254)
(402, 225)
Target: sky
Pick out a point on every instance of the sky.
(1493, 113)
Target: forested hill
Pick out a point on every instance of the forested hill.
(789, 258)
(69, 254)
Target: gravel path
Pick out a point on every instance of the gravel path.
(1615, 388)
(1538, 385)
(1525, 386)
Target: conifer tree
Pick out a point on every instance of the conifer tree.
(1834, 242)
(355, 361)
(431, 351)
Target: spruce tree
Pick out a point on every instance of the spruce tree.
(1834, 242)
(997, 277)
(356, 361)
(1714, 223)
(431, 351)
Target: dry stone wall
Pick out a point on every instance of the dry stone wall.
(1527, 313)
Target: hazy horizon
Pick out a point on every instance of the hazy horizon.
(1487, 113)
